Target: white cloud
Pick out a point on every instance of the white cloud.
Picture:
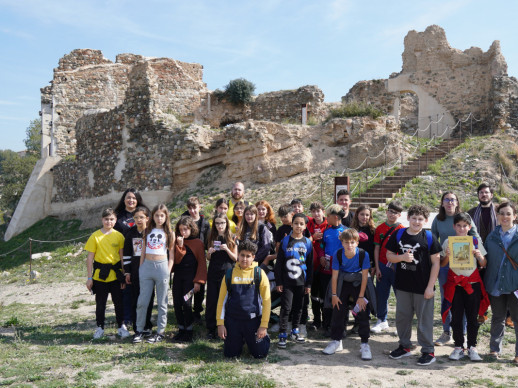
(4, 102)
(17, 33)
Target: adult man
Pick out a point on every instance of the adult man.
(484, 215)
(237, 193)
(484, 218)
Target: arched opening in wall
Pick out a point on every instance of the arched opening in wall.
(408, 111)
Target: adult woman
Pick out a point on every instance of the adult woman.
(501, 277)
(442, 228)
(129, 201)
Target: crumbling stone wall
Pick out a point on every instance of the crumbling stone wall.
(372, 92)
(280, 106)
(504, 102)
(459, 80)
(85, 80)
(286, 105)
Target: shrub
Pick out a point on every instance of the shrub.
(239, 91)
(355, 109)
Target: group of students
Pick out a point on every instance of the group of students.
(330, 258)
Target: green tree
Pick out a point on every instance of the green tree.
(33, 137)
(15, 169)
(239, 91)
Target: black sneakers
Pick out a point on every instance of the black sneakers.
(138, 337)
(155, 338)
(400, 353)
(426, 359)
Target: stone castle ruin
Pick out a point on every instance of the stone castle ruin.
(151, 123)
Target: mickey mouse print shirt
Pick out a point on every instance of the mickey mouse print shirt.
(156, 242)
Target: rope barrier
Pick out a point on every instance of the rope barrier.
(14, 250)
(60, 241)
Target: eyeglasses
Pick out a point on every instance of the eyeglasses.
(505, 214)
(392, 211)
(221, 223)
(449, 200)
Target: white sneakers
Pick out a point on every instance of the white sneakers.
(332, 347)
(380, 326)
(99, 332)
(123, 331)
(457, 354)
(336, 346)
(365, 351)
(473, 354)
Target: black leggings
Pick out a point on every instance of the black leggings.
(464, 303)
(182, 284)
(102, 289)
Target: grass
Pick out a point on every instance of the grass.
(355, 109)
(50, 347)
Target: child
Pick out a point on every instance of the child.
(238, 212)
(364, 224)
(321, 269)
(193, 210)
(293, 275)
(222, 207)
(350, 274)
(343, 199)
(104, 271)
(297, 206)
(331, 243)
(156, 263)
(266, 216)
(250, 229)
(385, 275)
(416, 253)
(189, 272)
(244, 306)
(464, 292)
(222, 255)
(285, 213)
(133, 244)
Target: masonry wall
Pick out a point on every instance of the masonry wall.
(372, 92)
(459, 80)
(286, 105)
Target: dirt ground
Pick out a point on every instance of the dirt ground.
(305, 365)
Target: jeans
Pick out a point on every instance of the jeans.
(388, 277)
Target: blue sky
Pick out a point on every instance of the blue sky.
(277, 44)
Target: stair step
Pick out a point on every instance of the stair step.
(385, 190)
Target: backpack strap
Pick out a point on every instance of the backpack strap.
(228, 280)
(257, 278)
(361, 257)
(429, 239)
(389, 233)
(399, 234)
(339, 256)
